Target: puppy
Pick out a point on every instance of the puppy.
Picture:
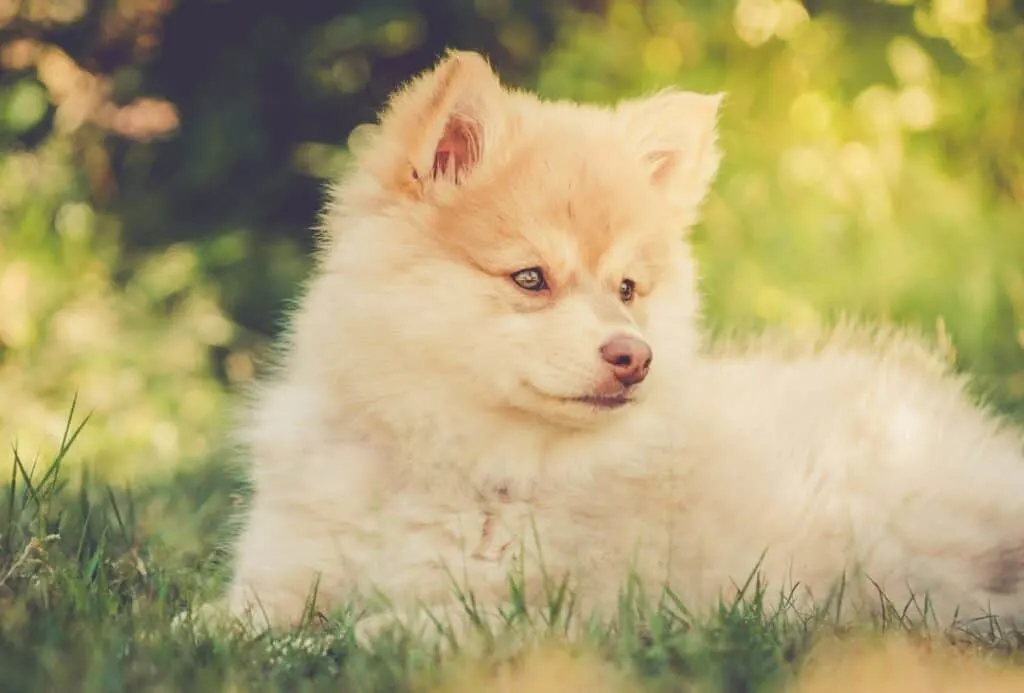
(496, 365)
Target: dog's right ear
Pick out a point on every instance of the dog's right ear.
(438, 129)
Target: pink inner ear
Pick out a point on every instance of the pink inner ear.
(458, 150)
(662, 163)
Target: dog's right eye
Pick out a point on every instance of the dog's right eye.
(530, 279)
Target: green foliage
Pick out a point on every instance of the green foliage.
(874, 159)
(75, 317)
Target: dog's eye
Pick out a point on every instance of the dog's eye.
(627, 290)
(530, 279)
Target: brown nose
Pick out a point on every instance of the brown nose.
(629, 357)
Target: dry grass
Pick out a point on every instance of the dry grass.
(903, 665)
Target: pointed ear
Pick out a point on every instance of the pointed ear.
(678, 138)
(440, 127)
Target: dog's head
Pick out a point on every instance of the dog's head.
(522, 254)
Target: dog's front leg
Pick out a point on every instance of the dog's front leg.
(471, 589)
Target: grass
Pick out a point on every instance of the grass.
(92, 576)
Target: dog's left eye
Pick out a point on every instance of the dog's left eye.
(627, 290)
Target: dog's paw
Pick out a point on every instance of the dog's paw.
(372, 628)
(215, 618)
(502, 533)
(494, 540)
(419, 627)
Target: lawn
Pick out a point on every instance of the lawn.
(91, 578)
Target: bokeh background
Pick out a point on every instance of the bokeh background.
(162, 162)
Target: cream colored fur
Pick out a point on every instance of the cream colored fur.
(420, 423)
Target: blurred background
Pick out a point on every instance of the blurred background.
(162, 162)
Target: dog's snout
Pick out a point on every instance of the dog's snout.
(629, 357)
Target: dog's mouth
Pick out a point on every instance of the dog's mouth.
(605, 401)
(594, 401)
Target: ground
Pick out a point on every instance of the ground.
(91, 578)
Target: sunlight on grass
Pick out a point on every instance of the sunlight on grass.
(91, 578)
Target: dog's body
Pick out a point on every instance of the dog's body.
(470, 365)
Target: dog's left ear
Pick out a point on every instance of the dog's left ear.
(678, 139)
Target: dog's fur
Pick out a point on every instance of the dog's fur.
(421, 429)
